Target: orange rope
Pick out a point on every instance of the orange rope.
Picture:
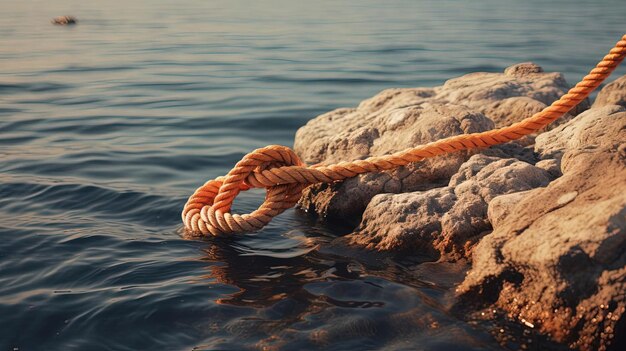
(284, 175)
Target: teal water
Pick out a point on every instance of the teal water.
(107, 126)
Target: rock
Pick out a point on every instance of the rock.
(508, 111)
(613, 93)
(501, 206)
(444, 221)
(574, 136)
(511, 150)
(523, 69)
(552, 166)
(359, 137)
(556, 259)
(524, 88)
(397, 119)
(64, 20)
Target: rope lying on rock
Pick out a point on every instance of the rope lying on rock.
(284, 175)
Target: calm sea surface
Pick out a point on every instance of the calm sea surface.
(106, 127)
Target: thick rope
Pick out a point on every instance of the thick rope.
(281, 172)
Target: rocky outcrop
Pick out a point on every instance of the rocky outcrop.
(445, 221)
(613, 93)
(543, 220)
(397, 119)
(556, 258)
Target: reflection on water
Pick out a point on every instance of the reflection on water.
(302, 300)
(106, 127)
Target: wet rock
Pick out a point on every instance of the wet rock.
(445, 221)
(613, 93)
(397, 119)
(64, 20)
(556, 259)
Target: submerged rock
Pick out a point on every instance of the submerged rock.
(397, 119)
(64, 20)
(556, 258)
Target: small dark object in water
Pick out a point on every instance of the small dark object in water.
(64, 20)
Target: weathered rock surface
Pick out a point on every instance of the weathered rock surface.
(520, 92)
(543, 220)
(501, 206)
(613, 93)
(355, 138)
(445, 221)
(397, 119)
(556, 258)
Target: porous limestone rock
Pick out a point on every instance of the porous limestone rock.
(556, 259)
(445, 221)
(397, 119)
(613, 93)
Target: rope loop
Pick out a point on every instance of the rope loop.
(281, 172)
(208, 209)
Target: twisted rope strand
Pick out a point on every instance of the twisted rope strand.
(281, 172)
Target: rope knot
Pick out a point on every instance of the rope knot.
(208, 209)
